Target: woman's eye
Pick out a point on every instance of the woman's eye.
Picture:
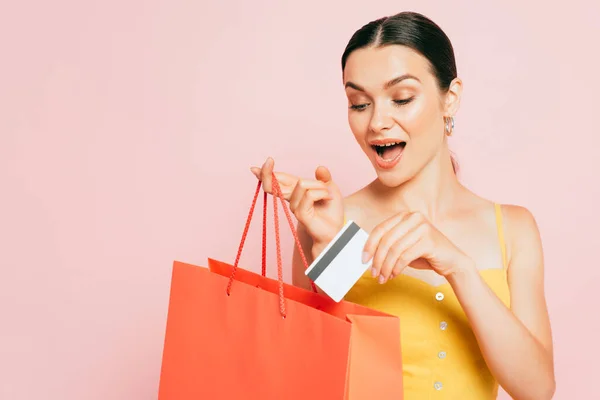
(403, 101)
(363, 106)
(359, 107)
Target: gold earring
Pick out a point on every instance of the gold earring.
(449, 127)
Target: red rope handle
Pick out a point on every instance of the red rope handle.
(278, 194)
(264, 236)
(279, 263)
(244, 235)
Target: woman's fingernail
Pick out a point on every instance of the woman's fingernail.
(365, 257)
(381, 279)
(374, 272)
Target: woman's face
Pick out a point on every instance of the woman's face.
(396, 110)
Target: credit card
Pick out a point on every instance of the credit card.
(340, 265)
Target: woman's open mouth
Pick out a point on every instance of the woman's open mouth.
(388, 154)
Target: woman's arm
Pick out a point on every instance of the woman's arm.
(516, 343)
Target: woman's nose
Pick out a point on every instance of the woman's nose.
(381, 120)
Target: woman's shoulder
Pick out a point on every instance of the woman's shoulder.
(523, 239)
(513, 215)
(520, 223)
(517, 224)
(518, 220)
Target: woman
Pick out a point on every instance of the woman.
(464, 275)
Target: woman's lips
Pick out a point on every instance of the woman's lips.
(388, 154)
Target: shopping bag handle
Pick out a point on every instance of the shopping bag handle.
(277, 195)
(264, 231)
(286, 210)
(277, 192)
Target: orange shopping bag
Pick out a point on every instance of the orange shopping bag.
(234, 334)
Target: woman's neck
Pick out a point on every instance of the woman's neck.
(431, 192)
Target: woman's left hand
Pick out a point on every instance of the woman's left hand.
(409, 238)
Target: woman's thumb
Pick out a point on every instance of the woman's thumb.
(255, 171)
(322, 174)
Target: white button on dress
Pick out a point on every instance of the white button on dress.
(439, 296)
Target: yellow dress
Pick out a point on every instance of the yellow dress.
(440, 355)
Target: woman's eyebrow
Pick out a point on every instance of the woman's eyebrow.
(387, 85)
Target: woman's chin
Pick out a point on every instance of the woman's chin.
(391, 178)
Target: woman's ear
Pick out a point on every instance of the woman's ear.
(452, 101)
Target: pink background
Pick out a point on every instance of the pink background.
(127, 129)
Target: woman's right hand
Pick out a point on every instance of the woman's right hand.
(317, 204)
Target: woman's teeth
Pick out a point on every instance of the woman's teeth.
(389, 151)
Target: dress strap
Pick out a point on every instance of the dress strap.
(500, 228)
